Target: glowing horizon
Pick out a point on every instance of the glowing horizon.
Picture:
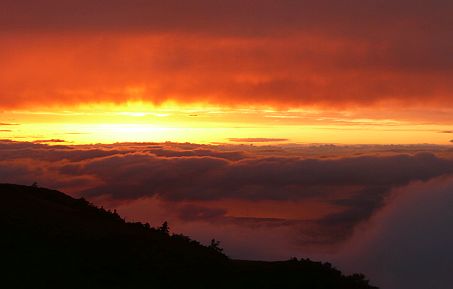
(141, 122)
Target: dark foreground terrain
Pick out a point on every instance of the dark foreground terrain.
(50, 240)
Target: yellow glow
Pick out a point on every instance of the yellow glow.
(141, 122)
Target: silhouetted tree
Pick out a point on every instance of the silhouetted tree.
(215, 246)
(164, 228)
(34, 185)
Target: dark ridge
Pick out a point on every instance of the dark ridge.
(51, 240)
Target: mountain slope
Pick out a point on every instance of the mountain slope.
(50, 240)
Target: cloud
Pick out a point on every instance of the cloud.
(49, 141)
(258, 139)
(261, 53)
(204, 16)
(355, 185)
(271, 178)
(194, 212)
(407, 244)
(162, 152)
(24, 171)
(219, 184)
(199, 213)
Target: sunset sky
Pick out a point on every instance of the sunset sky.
(300, 123)
(207, 71)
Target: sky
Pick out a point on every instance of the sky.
(317, 126)
(378, 71)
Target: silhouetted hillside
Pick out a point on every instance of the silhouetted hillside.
(50, 240)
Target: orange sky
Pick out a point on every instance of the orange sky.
(377, 72)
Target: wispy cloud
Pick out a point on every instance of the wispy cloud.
(258, 139)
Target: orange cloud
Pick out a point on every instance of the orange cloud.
(285, 54)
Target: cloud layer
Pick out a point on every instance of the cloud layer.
(383, 210)
(321, 198)
(284, 54)
(407, 244)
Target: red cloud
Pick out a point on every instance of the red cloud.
(284, 54)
